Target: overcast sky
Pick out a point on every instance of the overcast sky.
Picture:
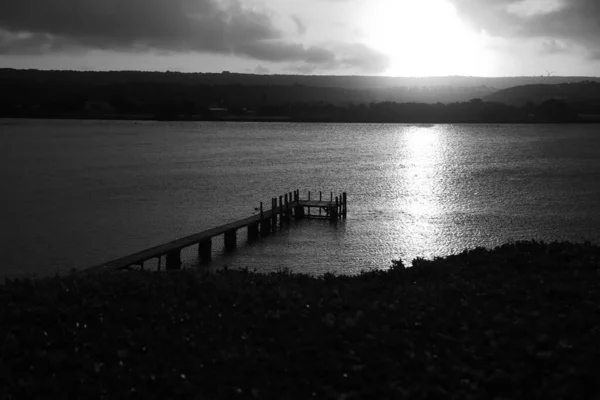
(358, 37)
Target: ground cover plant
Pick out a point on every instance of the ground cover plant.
(518, 321)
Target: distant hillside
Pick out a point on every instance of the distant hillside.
(587, 91)
(172, 95)
(226, 78)
(33, 87)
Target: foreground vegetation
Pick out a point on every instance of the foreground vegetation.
(519, 321)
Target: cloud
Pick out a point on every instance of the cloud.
(125, 24)
(213, 26)
(569, 21)
(300, 26)
(552, 46)
(348, 56)
(261, 70)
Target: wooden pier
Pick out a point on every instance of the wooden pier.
(283, 209)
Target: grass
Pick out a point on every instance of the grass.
(518, 321)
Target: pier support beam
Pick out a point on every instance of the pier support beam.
(252, 232)
(230, 239)
(273, 214)
(333, 212)
(345, 205)
(265, 227)
(281, 212)
(174, 260)
(286, 211)
(204, 251)
(299, 212)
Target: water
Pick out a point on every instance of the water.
(79, 193)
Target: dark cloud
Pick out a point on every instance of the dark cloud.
(126, 24)
(576, 21)
(217, 26)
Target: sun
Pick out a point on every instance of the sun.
(424, 38)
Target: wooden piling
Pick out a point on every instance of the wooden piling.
(281, 212)
(332, 212)
(174, 260)
(252, 232)
(265, 227)
(320, 199)
(336, 209)
(345, 210)
(230, 239)
(205, 251)
(299, 211)
(273, 214)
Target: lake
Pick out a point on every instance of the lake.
(79, 193)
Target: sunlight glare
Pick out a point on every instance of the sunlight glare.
(424, 38)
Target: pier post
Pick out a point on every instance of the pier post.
(265, 227)
(320, 199)
(252, 232)
(299, 211)
(281, 212)
(345, 201)
(334, 208)
(273, 214)
(308, 208)
(230, 239)
(174, 260)
(261, 210)
(204, 251)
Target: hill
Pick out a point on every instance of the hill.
(585, 91)
(200, 96)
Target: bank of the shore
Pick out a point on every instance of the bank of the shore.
(518, 321)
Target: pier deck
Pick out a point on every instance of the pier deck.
(261, 224)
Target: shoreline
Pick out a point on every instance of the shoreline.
(516, 321)
(309, 121)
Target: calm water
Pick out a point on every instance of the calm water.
(78, 193)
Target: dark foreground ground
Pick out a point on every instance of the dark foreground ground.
(519, 321)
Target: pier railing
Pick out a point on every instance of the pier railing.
(283, 209)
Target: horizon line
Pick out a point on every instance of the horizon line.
(225, 72)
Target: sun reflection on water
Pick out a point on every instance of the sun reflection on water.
(422, 155)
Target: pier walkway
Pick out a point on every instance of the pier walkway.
(283, 209)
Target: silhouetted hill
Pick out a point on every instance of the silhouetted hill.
(569, 92)
(199, 96)
(227, 78)
(244, 90)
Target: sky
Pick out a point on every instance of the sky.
(325, 37)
